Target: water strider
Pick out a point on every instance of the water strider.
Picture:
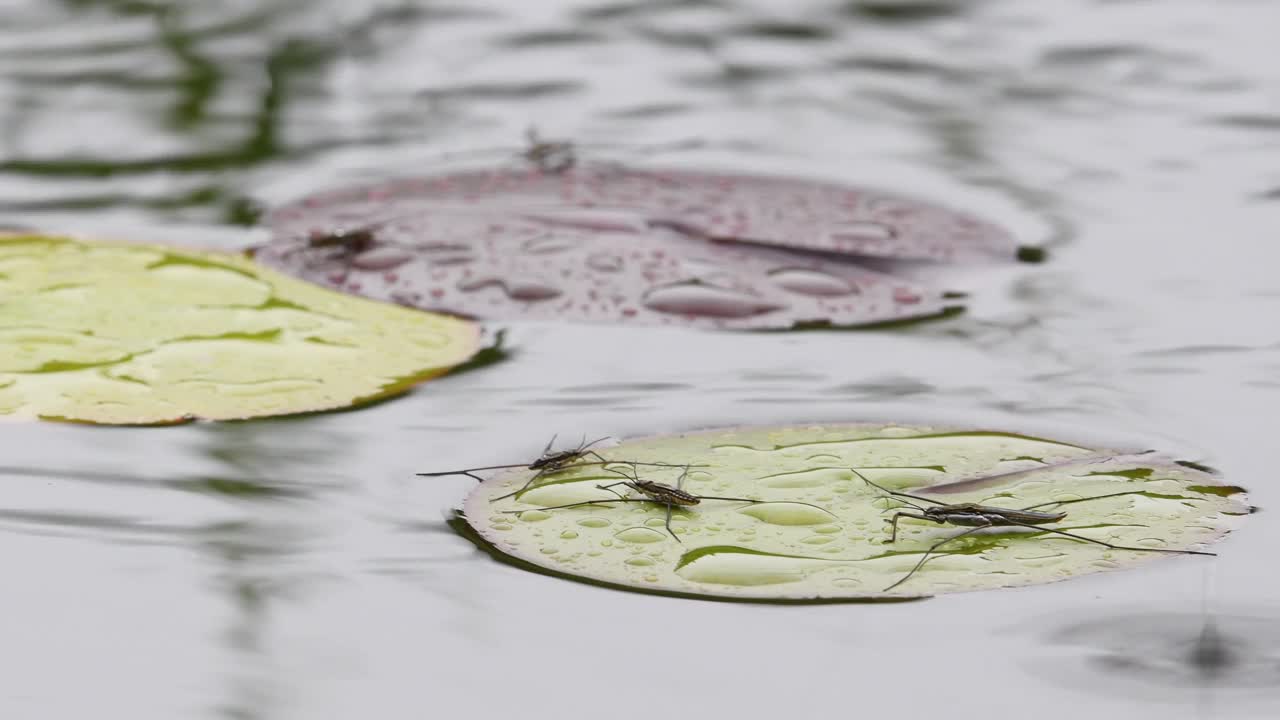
(351, 240)
(549, 156)
(977, 517)
(550, 461)
(669, 496)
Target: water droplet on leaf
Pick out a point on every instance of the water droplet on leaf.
(811, 282)
(706, 300)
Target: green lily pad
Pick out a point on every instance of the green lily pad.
(135, 334)
(821, 531)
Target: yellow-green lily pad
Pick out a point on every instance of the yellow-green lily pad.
(134, 334)
(821, 530)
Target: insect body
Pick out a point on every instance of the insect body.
(549, 156)
(669, 496)
(561, 459)
(974, 515)
(350, 240)
(347, 242)
(355, 239)
(659, 492)
(977, 517)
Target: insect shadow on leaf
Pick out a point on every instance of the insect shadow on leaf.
(668, 496)
(978, 517)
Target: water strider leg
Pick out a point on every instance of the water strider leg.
(893, 534)
(547, 471)
(610, 487)
(579, 504)
(1077, 500)
(522, 488)
(1107, 544)
(468, 472)
(597, 456)
(601, 462)
(897, 493)
(930, 551)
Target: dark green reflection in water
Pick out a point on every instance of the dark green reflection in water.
(201, 77)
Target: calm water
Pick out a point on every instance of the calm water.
(296, 569)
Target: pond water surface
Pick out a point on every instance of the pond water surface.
(297, 569)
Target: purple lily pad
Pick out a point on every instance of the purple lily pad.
(607, 244)
(479, 265)
(786, 212)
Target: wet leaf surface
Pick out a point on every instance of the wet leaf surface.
(779, 211)
(135, 334)
(820, 532)
(608, 244)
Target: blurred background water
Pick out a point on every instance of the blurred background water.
(297, 569)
